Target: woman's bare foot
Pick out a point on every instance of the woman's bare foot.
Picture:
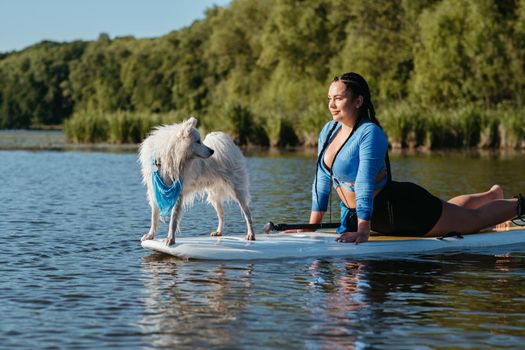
(497, 191)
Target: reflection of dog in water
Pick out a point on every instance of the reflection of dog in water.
(176, 164)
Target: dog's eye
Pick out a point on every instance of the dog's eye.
(198, 142)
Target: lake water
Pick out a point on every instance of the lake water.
(73, 273)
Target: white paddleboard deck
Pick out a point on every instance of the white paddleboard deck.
(323, 244)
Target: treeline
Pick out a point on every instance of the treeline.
(260, 69)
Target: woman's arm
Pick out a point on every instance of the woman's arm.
(372, 150)
(316, 217)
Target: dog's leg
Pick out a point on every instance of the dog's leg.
(217, 205)
(174, 222)
(250, 236)
(154, 223)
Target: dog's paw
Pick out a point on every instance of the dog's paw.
(147, 237)
(169, 241)
(250, 237)
(216, 234)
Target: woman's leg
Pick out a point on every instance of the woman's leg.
(464, 220)
(476, 200)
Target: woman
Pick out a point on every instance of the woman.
(353, 155)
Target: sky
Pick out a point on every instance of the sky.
(27, 22)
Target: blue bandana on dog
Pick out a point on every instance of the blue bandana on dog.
(166, 196)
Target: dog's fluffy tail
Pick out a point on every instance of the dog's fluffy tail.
(229, 161)
(222, 144)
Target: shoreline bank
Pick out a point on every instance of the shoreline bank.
(55, 140)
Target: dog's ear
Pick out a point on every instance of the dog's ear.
(187, 126)
(192, 122)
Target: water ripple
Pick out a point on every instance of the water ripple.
(73, 274)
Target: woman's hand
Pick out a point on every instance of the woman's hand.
(363, 231)
(353, 237)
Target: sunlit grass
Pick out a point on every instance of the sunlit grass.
(468, 126)
(117, 128)
(406, 125)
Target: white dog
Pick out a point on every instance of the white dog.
(215, 167)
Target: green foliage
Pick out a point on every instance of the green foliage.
(117, 127)
(96, 78)
(240, 124)
(147, 77)
(297, 37)
(511, 129)
(34, 85)
(444, 73)
(87, 127)
(405, 125)
(463, 54)
(379, 43)
(312, 120)
(517, 52)
(467, 126)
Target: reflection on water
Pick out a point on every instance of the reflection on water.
(73, 275)
(419, 302)
(194, 304)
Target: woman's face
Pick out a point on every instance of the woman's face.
(341, 104)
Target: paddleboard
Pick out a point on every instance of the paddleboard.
(323, 244)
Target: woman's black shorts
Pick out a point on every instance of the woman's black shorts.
(406, 209)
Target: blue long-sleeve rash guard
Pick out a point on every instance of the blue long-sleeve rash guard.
(359, 161)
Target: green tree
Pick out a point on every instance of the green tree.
(146, 76)
(192, 78)
(34, 85)
(463, 54)
(95, 80)
(517, 49)
(379, 43)
(297, 36)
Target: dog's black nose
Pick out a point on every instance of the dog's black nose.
(211, 152)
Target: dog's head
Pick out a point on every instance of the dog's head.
(183, 145)
(191, 139)
(171, 148)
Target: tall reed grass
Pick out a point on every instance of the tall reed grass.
(406, 125)
(118, 127)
